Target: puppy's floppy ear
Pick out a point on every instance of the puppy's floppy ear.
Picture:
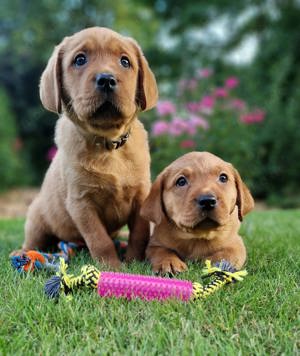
(244, 199)
(50, 84)
(147, 92)
(152, 207)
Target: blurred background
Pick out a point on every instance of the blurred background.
(228, 73)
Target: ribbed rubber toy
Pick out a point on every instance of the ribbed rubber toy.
(131, 286)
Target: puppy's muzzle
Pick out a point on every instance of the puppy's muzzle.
(207, 202)
(106, 82)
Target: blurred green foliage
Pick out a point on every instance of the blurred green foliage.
(277, 88)
(11, 163)
(177, 38)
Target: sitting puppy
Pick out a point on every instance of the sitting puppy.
(98, 81)
(197, 204)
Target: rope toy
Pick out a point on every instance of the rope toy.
(133, 286)
(35, 260)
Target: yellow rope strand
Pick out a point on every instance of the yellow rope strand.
(220, 278)
(89, 277)
(210, 270)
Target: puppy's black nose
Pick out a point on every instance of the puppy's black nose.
(106, 82)
(207, 202)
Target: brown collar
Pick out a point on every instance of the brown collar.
(111, 144)
(104, 142)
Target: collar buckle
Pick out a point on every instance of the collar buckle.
(115, 144)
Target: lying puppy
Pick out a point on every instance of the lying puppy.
(197, 204)
(98, 81)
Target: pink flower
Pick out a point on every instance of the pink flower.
(192, 106)
(159, 128)
(198, 121)
(231, 82)
(178, 126)
(187, 84)
(253, 117)
(204, 73)
(238, 104)
(165, 107)
(188, 144)
(220, 93)
(51, 153)
(191, 129)
(192, 84)
(207, 102)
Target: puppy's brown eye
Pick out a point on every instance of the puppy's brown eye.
(181, 182)
(80, 60)
(125, 62)
(223, 178)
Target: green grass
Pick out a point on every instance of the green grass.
(258, 316)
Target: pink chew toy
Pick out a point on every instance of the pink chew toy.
(144, 287)
(133, 286)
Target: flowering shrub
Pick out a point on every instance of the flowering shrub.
(206, 117)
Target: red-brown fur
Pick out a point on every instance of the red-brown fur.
(90, 192)
(182, 230)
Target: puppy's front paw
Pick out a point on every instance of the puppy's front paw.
(113, 263)
(107, 256)
(169, 265)
(134, 254)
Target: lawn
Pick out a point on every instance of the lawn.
(257, 316)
